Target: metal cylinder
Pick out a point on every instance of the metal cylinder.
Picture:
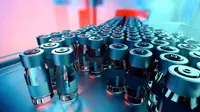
(48, 47)
(130, 35)
(166, 49)
(158, 32)
(157, 43)
(192, 42)
(41, 39)
(186, 48)
(178, 35)
(194, 58)
(198, 65)
(59, 40)
(130, 41)
(66, 81)
(117, 68)
(118, 51)
(140, 58)
(118, 32)
(116, 39)
(70, 39)
(148, 38)
(168, 59)
(105, 37)
(172, 41)
(144, 45)
(55, 34)
(163, 35)
(165, 61)
(178, 97)
(91, 32)
(36, 77)
(76, 34)
(96, 58)
(82, 52)
(83, 39)
(136, 79)
(66, 32)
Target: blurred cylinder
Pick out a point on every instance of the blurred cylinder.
(186, 48)
(41, 39)
(172, 41)
(194, 58)
(82, 52)
(144, 45)
(55, 34)
(59, 40)
(131, 41)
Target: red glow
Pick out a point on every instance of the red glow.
(55, 91)
(80, 89)
(92, 77)
(132, 12)
(109, 93)
(127, 103)
(41, 106)
(126, 96)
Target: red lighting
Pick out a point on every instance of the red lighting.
(41, 106)
(127, 103)
(80, 89)
(141, 14)
(109, 93)
(55, 91)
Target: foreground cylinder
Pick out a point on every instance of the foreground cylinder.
(117, 68)
(36, 77)
(165, 61)
(66, 82)
(184, 95)
(48, 47)
(136, 80)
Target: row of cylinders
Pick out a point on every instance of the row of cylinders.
(143, 73)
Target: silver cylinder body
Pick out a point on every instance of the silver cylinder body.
(137, 77)
(117, 68)
(37, 79)
(96, 58)
(41, 39)
(178, 97)
(48, 47)
(186, 48)
(66, 81)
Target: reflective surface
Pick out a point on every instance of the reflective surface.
(92, 96)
